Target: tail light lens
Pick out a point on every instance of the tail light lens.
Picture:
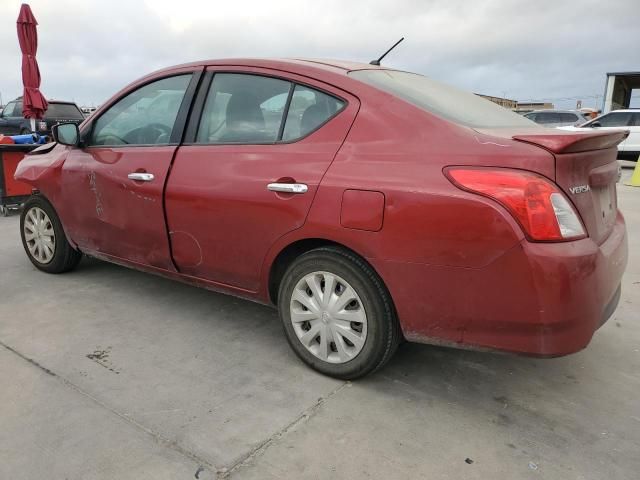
(537, 204)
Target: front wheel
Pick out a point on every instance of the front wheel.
(43, 238)
(337, 315)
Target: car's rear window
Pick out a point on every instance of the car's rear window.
(443, 100)
(65, 111)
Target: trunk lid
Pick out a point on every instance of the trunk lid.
(587, 171)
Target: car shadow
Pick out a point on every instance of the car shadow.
(448, 374)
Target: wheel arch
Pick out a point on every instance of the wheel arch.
(293, 250)
(37, 193)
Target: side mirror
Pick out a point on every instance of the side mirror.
(595, 125)
(66, 134)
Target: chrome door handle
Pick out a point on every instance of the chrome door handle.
(140, 177)
(288, 187)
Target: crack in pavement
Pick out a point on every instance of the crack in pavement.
(259, 449)
(157, 437)
(222, 472)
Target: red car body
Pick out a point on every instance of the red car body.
(460, 268)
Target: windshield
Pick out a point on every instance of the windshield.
(67, 111)
(447, 102)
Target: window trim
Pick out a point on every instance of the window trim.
(205, 88)
(179, 126)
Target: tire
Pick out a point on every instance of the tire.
(54, 254)
(354, 347)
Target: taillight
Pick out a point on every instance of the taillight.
(537, 204)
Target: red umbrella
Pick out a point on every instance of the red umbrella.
(33, 102)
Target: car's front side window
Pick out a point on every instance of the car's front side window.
(8, 109)
(143, 117)
(619, 119)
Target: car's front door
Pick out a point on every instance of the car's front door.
(258, 152)
(612, 121)
(11, 118)
(632, 143)
(113, 185)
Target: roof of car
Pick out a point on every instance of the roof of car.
(291, 64)
(549, 110)
(625, 110)
(49, 100)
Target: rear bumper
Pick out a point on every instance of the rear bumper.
(543, 299)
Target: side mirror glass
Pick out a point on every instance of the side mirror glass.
(66, 134)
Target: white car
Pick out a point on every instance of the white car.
(557, 118)
(619, 119)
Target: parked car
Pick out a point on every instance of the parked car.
(87, 111)
(13, 123)
(392, 207)
(557, 118)
(628, 119)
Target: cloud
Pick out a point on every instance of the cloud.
(522, 49)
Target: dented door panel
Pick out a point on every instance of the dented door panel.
(112, 214)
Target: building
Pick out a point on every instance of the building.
(520, 107)
(503, 102)
(524, 107)
(618, 89)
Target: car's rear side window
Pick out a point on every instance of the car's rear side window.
(309, 108)
(66, 111)
(442, 100)
(568, 118)
(545, 118)
(255, 109)
(243, 108)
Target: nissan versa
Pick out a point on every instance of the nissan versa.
(370, 205)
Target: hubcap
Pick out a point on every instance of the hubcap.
(39, 235)
(328, 317)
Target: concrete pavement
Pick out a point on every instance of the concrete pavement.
(108, 373)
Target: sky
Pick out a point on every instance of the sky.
(551, 50)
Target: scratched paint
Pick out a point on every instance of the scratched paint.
(93, 186)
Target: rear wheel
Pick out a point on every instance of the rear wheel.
(43, 238)
(337, 315)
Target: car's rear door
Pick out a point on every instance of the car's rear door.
(113, 185)
(254, 134)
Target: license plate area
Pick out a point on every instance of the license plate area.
(607, 201)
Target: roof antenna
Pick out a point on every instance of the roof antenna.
(377, 62)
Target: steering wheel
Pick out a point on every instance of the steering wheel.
(149, 134)
(111, 139)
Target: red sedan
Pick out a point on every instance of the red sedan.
(370, 205)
